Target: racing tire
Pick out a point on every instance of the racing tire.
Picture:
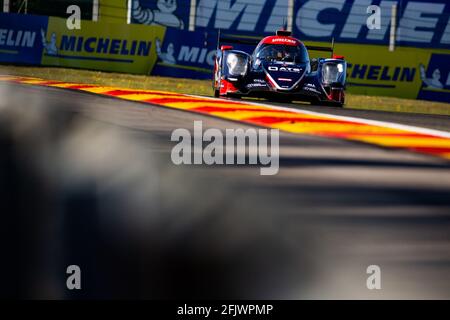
(334, 104)
(327, 104)
(235, 96)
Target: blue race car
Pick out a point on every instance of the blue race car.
(279, 69)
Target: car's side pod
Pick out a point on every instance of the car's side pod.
(333, 72)
(229, 68)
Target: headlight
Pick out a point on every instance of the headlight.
(237, 64)
(331, 72)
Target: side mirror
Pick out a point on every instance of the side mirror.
(314, 64)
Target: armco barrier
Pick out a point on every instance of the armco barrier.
(157, 50)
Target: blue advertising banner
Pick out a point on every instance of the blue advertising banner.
(436, 79)
(21, 39)
(185, 54)
(423, 23)
(242, 16)
(189, 54)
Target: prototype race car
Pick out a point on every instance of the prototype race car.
(279, 69)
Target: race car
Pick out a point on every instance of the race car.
(279, 69)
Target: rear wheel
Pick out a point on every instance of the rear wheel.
(336, 104)
(216, 84)
(337, 100)
(234, 95)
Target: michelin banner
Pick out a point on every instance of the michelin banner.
(420, 23)
(20, 38)
(98, 46)
(111, 47)
(407, 72)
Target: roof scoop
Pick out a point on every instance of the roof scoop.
(284, 33)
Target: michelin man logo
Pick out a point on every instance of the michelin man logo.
(49, 46)
(163, 16)
(166, 57)
(434, 81)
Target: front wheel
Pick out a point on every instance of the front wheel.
(331, 104)
(336, 104)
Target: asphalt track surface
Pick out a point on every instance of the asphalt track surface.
(157, 230)
(438, 122)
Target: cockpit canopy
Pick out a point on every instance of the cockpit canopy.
(297, 54)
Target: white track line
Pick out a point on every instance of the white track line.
(392, 125)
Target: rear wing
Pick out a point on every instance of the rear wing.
(323, 49)
(231, 39)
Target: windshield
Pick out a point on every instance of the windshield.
(278, 52)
